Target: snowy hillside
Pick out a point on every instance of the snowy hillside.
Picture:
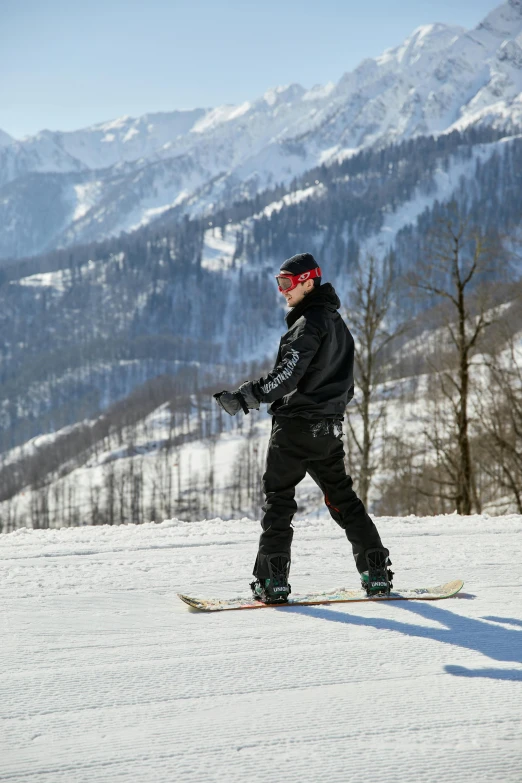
(196, 472)
(106, 676)
(118, 175)
(175, 452)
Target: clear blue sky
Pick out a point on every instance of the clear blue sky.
(66, 64)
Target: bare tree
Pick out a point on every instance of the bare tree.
(110, 494)
(459, 261)
(500, 428)
(370, 318)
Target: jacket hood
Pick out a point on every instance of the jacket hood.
(323, 296)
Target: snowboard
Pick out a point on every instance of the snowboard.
(339, 596)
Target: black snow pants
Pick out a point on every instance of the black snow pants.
(299, 446)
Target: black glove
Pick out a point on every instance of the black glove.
(231, 402)
(244, 398)
(248, 392)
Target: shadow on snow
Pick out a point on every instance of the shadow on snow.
(497, 642)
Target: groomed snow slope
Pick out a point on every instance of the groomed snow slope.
(106, 676)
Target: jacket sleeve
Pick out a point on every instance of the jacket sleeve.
(297, 351)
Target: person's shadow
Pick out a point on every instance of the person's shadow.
(490, 636)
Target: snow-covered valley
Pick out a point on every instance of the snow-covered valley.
(107, 677)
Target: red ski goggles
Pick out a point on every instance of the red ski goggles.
(287, 282)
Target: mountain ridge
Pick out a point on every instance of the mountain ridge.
(439, 78)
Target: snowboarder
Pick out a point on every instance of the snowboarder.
(308, 390)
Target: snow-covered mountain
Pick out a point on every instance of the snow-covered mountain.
(118, 175)
(5, 139)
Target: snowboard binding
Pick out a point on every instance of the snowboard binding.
(378, 579)
(273, 589)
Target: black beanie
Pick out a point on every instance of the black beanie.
(302, 262)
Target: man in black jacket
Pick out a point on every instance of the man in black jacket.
(308, 390)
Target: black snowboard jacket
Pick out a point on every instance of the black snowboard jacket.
(313, 373)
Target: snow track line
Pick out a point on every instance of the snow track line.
(222, 694)
(118, 550)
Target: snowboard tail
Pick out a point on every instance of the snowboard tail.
(339, 596)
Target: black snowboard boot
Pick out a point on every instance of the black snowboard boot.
(273, 589)
(377, 579)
